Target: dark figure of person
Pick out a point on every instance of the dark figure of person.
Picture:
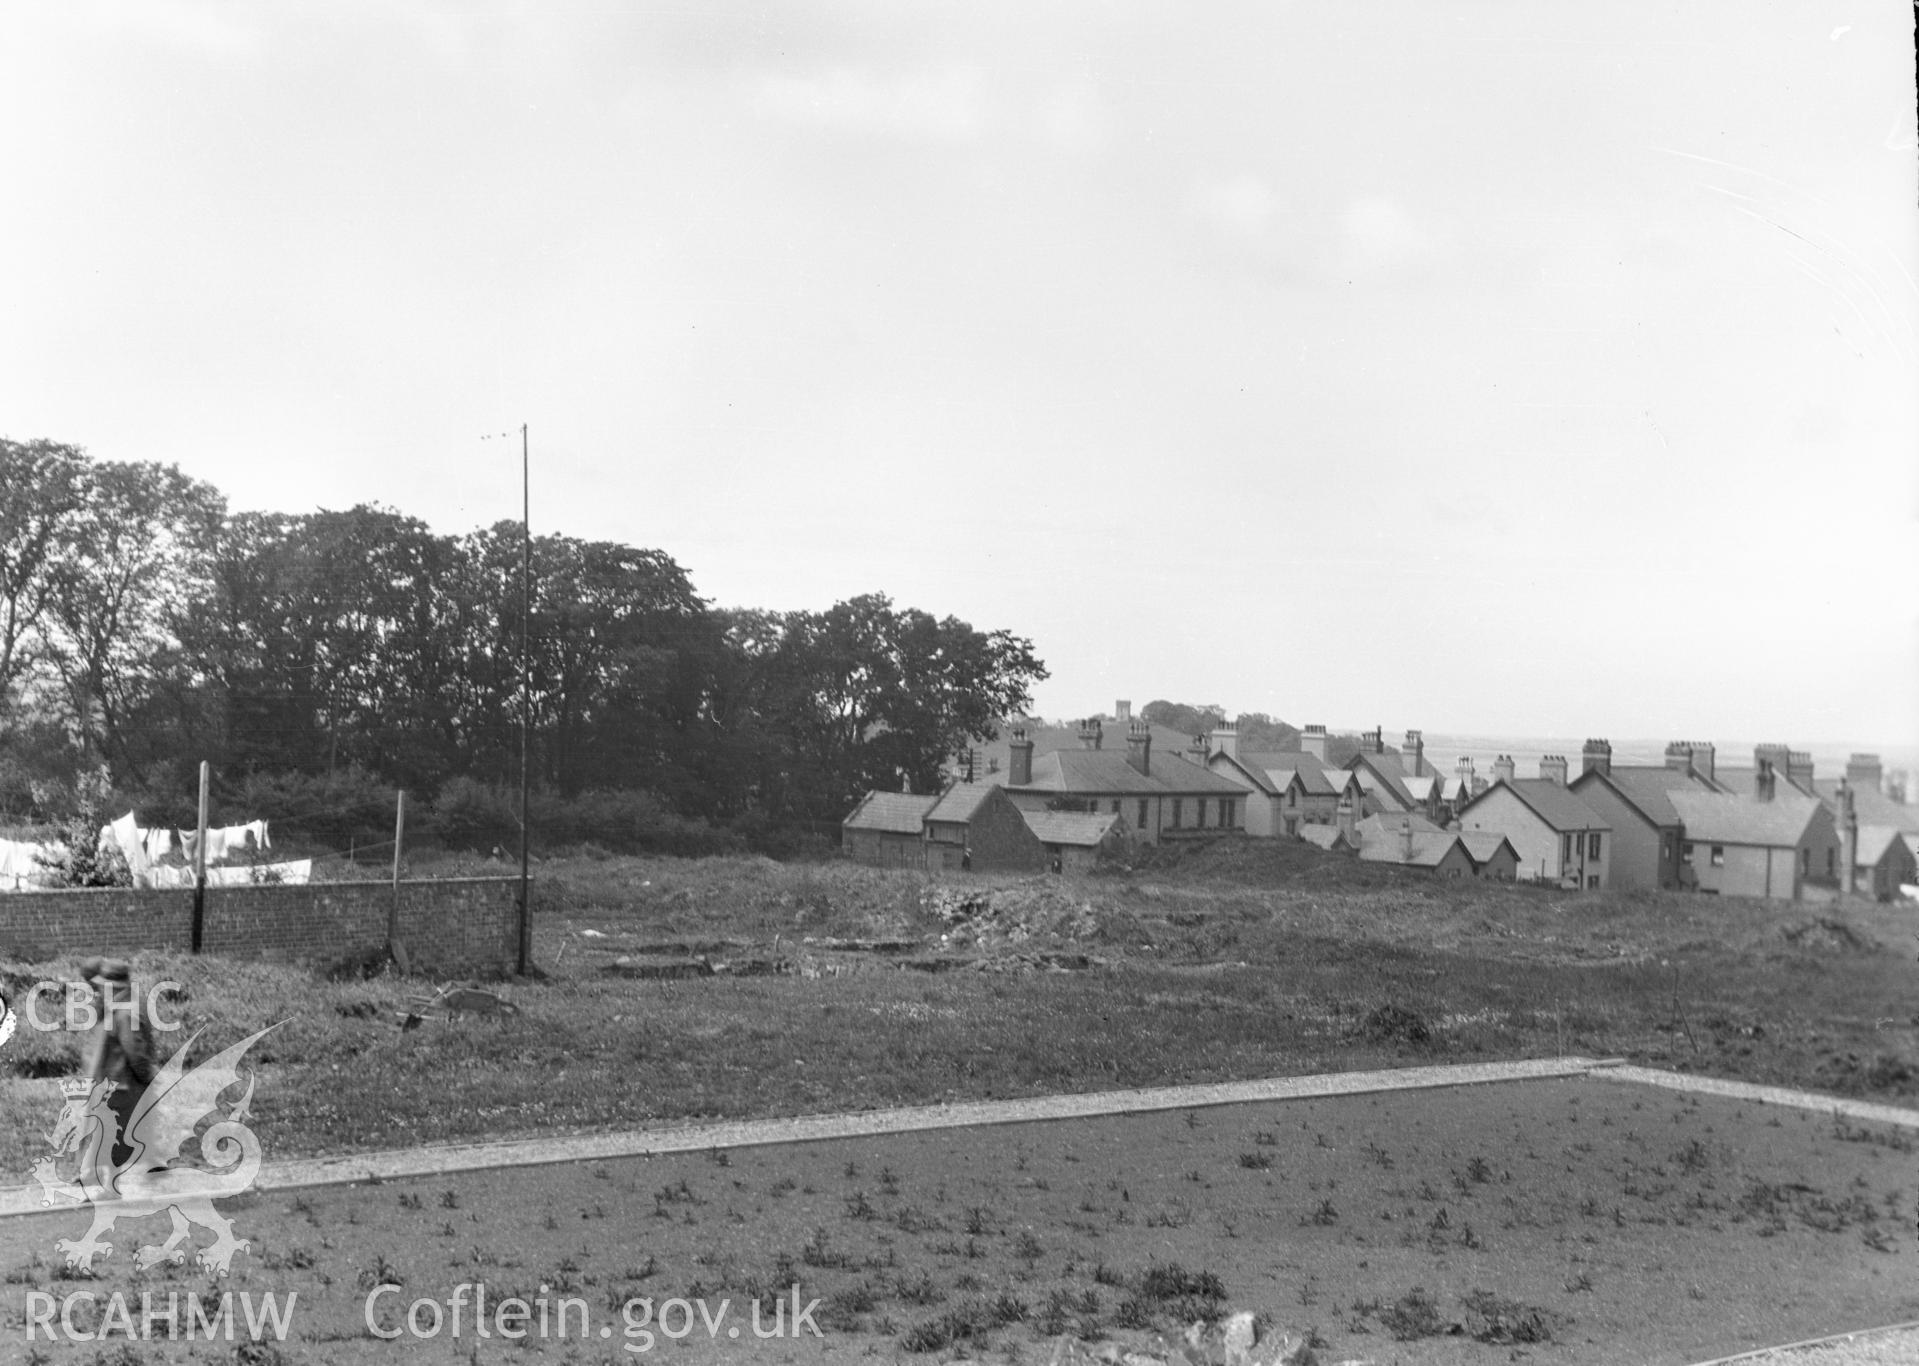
(119, 1049)
(966, 860)
(1058, 863)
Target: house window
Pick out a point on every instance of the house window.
(1592, 845)
(1142, 813)
(1831, 858)
(1805, 862)
(1178, 804)
(1226, 814)
(1688, 851)
(1566, 849)
(1665, 849)
(1592, 884)
(1292, 796)
(1142, 806)
(1719, 856)
(1200, 819)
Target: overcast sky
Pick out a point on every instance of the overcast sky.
(1526, 367)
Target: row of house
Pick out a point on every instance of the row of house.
(1773, 830)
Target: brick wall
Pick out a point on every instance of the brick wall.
(449, 927)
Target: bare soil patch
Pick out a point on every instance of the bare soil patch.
(1556, 1221)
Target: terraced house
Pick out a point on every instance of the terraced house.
(1776, 843)
(1559, 839)
(1160, 796)
(1636, 801)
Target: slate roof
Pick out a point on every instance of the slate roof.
(1648, 789)
(1420, 786)
(897, 813)
(1389, 770)
(1870, 805)
(1102, 771)
(1279, 766)
(1557, 806)
(1874, 841)
(1722, 818)
(1083, 828)
(960, 801)
(1048, 739)
(1390, 824)
(1430, 847)
(1483, 844)
(1738, 781)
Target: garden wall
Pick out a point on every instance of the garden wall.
(449, 927)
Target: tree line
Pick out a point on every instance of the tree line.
(144, 627)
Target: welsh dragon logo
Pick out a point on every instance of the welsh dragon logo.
(161, 1122)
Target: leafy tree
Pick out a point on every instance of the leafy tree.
(879, 698)
(134, 561)
(43, 483)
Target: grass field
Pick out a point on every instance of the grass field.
(1247, 960)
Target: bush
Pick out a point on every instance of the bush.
(81, 857)
(328, 811)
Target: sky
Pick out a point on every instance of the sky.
(1493, 367)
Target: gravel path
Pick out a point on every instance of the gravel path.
(1894, 1346)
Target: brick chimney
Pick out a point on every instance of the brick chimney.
(1597, 754)
(1416, 747)
(1799, 768)
(1374, 741)
(1503, 769)
(1552, 767)
(1865, 770)
(1139, 747)
(1020, 772)
(1763, 780)
(1405, 839)
(1123, 712)
(1312, 740)
(1224, 740)
(1679, 756)
(1089, 734)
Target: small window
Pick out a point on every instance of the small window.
(1665, 849)
(1226, 813)
(1292, 796)
(1592, 845)
(1178, 811)
(1688, 851)
(1566, 849)
(1592, 883)
(1142, 813)
(1200, 818)
(1719, 856)
(1805, 862)
(1832, 858)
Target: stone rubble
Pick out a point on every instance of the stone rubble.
(1231, 1341)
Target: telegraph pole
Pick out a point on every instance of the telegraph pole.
(526, 699)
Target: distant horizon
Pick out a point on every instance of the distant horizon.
(1829, 755)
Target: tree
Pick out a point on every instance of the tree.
(879, 698)
(43, 482)
(118, 592)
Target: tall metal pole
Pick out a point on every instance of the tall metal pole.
(526, 697)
